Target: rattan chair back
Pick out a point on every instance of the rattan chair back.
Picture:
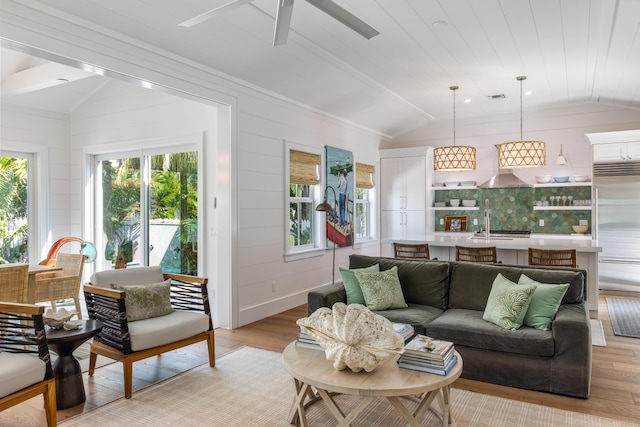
(411, 251)
(14, 282)
(483, 254)
(65, 284)
(552, 257)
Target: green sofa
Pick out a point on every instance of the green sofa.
(446, 300)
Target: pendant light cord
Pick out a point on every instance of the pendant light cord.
(521, 78)
(454, 88)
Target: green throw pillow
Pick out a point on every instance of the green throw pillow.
(381, 290)
(507, 303)
(545, 302)
(146, 301)
(351, 284)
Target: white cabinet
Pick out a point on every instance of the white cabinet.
(616, 152)
(404, 176)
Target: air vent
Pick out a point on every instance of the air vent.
(616, 169)
(499, 96)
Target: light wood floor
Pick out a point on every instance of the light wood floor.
(615, 387)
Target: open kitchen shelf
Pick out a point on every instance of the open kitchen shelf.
(562, 208)
(459, 208)
(459, 187)
(564, 184)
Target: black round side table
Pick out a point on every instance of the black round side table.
(66, 368)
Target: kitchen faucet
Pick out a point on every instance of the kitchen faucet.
(487, 219)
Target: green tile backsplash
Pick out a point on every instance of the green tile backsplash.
(512, 208)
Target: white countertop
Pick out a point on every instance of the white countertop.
(580, 243)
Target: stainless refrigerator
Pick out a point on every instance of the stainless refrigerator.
(617, 218)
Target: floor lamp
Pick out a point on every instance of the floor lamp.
(327, 209)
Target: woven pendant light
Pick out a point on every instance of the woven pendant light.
(454, 158)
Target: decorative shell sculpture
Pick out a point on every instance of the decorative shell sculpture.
(353, 336)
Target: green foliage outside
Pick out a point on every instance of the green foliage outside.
(13, 210)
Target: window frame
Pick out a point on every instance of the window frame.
(317, 246)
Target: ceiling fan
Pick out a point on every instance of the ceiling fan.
(283, 18)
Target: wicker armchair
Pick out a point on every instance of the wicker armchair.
(553, 257)
(23, 376)
(61, 285)
(128, 341)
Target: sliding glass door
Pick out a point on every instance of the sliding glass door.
(147, 210)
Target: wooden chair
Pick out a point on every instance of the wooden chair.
(63, 284)
(552, 257)
(23, 376)
(128, 341)
(14, 282)
(484, 254)
(411, 251)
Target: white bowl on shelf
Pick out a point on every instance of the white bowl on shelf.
(452, 184)
(468, 203)
(561, 179)
(544, 179)
(454, 202)
(580, 178)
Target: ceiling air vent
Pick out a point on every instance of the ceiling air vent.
(499, 96)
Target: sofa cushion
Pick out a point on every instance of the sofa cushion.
(18, 371)
(381, 290)
(544, 303)
(418, 316)
(147, 300)
(351, 284)
(423, 282)
(467, 328)
(127, 276)
(149, 333)
(507, 303)
(471, 282)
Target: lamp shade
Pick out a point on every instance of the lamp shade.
(454, 158)
(522, 154)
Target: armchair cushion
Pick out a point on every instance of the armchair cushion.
(127, 276)
(161, 330)
(18, 371)
(145, 301)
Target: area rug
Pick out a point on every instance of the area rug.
(625, 315)
(597, 333)
(250, 387)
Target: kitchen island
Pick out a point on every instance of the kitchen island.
(513, 251)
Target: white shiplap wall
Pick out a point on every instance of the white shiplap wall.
(258, 122)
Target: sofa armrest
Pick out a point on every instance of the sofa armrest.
(572, 340)
(108, 306)
(326, 296)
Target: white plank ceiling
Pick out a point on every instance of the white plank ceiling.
(572, 52)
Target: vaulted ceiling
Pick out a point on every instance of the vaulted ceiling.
(572, 52)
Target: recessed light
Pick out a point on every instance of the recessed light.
(528, 92)
(467, 100)
(440, 24)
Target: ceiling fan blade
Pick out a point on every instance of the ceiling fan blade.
(283, 21)
(347, 18)
(213, 12)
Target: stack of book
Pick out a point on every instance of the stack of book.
(404, 329)
(305, 340)
(428, 355)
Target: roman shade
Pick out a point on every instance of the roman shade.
(364, 176)
(303, 168)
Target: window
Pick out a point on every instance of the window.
(16, 179)
(304, 191)
(148, 209)
(364, 185)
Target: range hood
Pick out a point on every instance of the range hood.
(504, 180)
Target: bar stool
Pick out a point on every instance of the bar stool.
(411, 251)
(552, 257)
(483, 254)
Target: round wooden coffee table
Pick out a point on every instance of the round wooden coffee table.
(315, 379)
(66, 369)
